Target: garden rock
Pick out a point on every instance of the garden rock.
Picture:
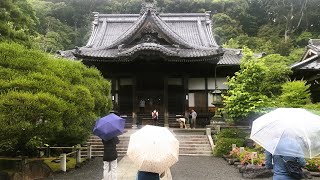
(253, 171)
(36, 170)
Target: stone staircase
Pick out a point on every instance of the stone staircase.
(190, 145)
(97, 146)
(194, 145)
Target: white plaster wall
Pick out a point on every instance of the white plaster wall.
(220, 83)
(210, 99)
(196, 84)
(116, 98)
(191, 99)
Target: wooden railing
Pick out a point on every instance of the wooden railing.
(75, 150)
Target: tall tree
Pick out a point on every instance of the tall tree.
(256, 85)
(292, 15)
(17, 21)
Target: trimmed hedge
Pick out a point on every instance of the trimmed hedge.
(224, 145)
(231, 133)
(47, 100)
(226, 138)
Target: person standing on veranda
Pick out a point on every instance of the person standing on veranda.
(155, 116)
(110, 156)
(193, 118)
(142, 105)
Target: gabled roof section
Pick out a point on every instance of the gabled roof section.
(121, 35)
(311, 58)
(190, 30)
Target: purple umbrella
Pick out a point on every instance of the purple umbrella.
(109, 126)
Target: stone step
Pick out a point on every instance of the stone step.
(196, 149)
(190, 145)
(181, 152)
(194, 152)
(193, 145)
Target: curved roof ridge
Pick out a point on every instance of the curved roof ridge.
(148, 46)
(167, 30)
(164, 26)
(132, 29)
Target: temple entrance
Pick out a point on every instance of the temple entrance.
(153, 100)
(150, 90)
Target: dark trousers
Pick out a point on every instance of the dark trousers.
(142, 109)
(155, 122)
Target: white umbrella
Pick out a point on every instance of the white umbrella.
(288, 132)
(153, 149)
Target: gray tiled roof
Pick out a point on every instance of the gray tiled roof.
(311, 61)
(231, 57)
(313, 65)
(193, 28)
(314, 44)
(188, 35)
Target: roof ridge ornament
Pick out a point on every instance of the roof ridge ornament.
(149, 6)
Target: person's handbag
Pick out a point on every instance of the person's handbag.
(293, 168)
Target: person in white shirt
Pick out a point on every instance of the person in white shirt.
(193, 119)
(154, 116)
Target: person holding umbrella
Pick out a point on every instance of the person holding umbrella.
(289, 135)
(154, 150)
(110, 156)
(278, 162)
(108, 129)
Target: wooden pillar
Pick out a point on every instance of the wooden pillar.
(186, 93)
(206, 92)
(134, 103)
(113, 92)
(165, 101)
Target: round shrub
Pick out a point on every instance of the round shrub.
(47, 100)
(224, 145)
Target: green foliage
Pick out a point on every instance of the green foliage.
(17, 21)
(232, 133)
(47, 100)
(255, 86)
(55, 167)
(295, 94)
(295, 55)
(224, 27)
(314, 108)
(232, 43)
(224, 145)
(313, 165)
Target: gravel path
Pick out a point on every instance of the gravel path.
(187, 168)
(204, 168)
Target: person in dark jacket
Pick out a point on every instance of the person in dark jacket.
(110, 156)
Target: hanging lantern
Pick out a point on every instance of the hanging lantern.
(217, 98)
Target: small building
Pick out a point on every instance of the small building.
(308, 68)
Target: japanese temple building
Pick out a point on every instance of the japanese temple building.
(171, 61)
(168, 60)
